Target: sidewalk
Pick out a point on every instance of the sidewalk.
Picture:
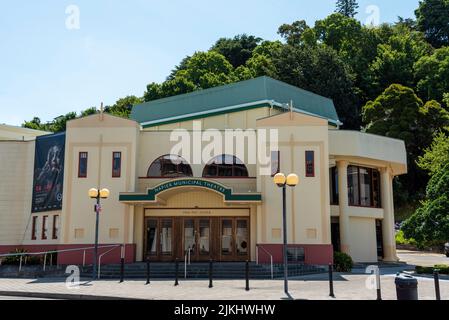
(314, 287)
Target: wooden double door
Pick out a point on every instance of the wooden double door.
(217, 238)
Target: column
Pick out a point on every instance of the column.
(388, 238)
(342, 168)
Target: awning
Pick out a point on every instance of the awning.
(151, 196)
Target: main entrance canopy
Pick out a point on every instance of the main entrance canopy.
(151, 196)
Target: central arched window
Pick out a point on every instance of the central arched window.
(169, 166)
(225, 166)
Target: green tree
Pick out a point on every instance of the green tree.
(303, 67)
(430, 222)
(432, 73)
(35, 124)
(88, 112)
(262, 61)
(294, 33)
(201, 71)
(347, 8)
(123, 106)
(433, 19)
(338, 31)
(437, 155)
(237, 50)
(399, 113)
(395, 59)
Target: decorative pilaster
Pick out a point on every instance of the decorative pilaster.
(342, 168)
(388, 238)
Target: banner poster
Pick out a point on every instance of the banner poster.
(48, 173)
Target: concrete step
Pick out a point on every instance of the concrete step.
(201, 270)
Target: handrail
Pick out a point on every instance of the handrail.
(52, 251)
(44, 253)
(104, 253)
(187, 258)
(271, 258)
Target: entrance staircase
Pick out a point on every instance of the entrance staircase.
(200, 270)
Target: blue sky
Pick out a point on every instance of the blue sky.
(47, 69)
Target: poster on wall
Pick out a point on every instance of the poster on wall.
(48, 173)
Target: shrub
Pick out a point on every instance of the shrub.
(443, 269)
(342, 262)
(26, 259)
(402, 240)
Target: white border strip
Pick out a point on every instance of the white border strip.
(270, 102)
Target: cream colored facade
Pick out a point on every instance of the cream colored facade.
(125, 214)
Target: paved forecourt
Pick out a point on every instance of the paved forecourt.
(314, 287)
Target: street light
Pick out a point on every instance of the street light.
(281, 181)
(97, 194)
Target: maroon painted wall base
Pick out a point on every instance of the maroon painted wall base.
(76, 257)
(317, 254)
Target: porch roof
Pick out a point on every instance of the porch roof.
(151, 196)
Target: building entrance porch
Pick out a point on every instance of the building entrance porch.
(222, 238)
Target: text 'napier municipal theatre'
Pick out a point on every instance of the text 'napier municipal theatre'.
(165, 201)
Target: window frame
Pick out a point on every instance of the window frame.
(114, 174)
(34, 228)
(217, 176)
(79, 164)
(44, 228)
(372, 200)
(55, 230)
(308, 174)
(183, 161)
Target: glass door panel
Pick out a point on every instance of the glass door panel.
(152, 237)
(166, 237)
(226, 237)
(241, 235)
(204, 236)
(189, 235)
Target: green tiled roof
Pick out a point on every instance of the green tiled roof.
(253, 93)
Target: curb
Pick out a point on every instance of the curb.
(58, 296)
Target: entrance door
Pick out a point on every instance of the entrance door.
(159, 239)
(197, 238)
(234, 239)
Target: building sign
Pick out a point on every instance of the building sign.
(190, 183)
(227, 193)
(48, 173)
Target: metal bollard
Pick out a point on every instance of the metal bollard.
(148, 270)
(176, 271)
(122, 269)
(247, 275)
(437, 284)
(210, 274)
(378, 290)
(331, 281)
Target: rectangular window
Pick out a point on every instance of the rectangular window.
(353, 186)
(82, 165)
(310, 164)
(116, 164)
(34, 228)
(275, 162)
(333, 179)
(55, 233)
(44, 227)
(363, 187)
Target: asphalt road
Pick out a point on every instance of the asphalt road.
(19, 298)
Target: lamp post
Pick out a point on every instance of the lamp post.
(282, 182)
(97, 195)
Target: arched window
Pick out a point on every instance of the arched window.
(225, 166)
(169, 166)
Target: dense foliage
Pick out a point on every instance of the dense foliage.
(342, 262)
(391, 79)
